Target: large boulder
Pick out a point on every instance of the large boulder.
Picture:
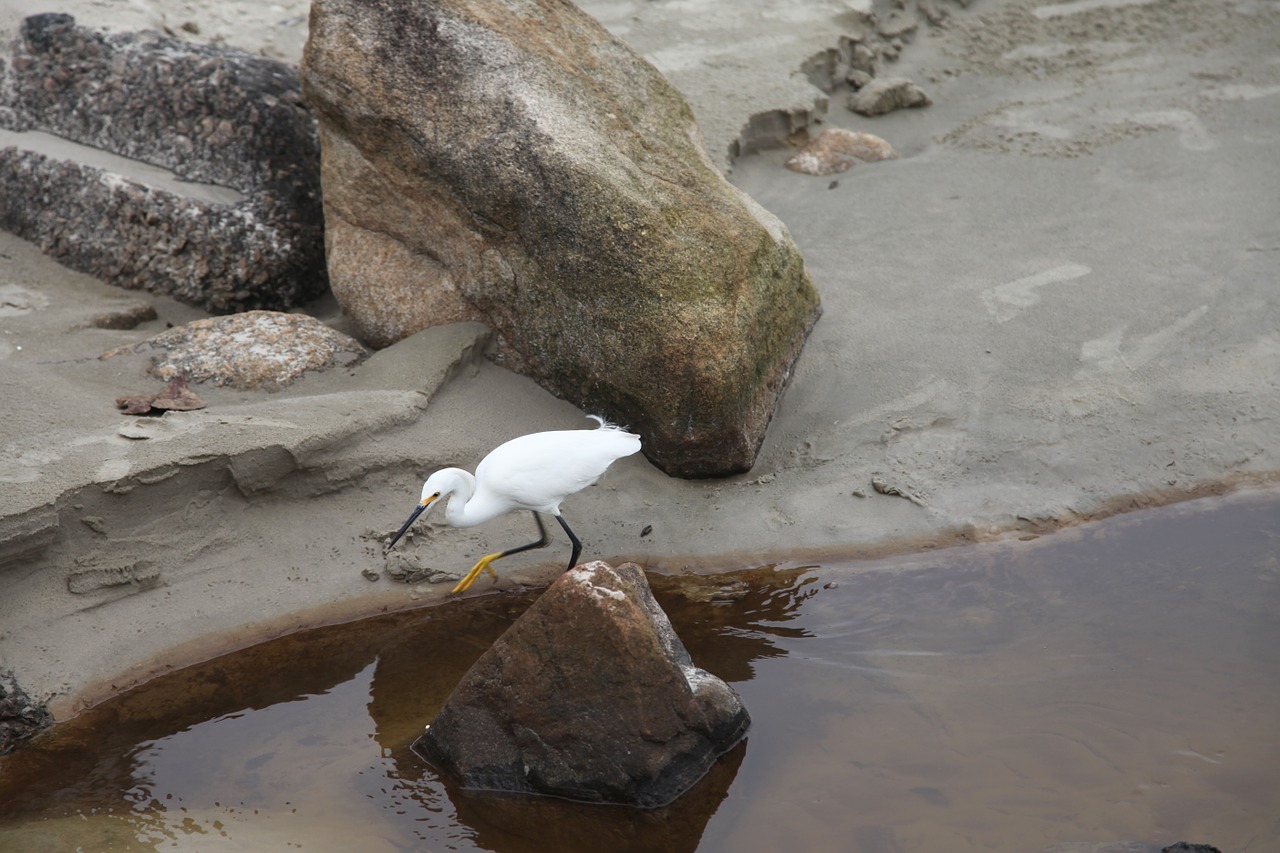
(515, 163)
(212, 116)
(590, 696)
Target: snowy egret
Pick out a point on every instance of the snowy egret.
(534, 472)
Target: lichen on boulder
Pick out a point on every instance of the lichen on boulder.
(515, 163)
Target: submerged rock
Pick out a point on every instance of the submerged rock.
(244, 231)
(515, 163)
(257, 350)
(591, 696)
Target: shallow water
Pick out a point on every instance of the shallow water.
(1116, 682)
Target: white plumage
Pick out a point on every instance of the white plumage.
(533, 472)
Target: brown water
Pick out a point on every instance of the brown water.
(1117, 682)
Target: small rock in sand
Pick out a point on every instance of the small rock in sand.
(857, 78)
(176, 398)
(886, 95)
(256, 350)
(836, 150)
(20, 715)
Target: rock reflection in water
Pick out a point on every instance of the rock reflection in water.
(271, 746)
(1115, 683)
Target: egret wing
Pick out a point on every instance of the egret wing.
(538, 471)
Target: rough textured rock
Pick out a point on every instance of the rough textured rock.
(257, 350)
(591, 696)
(513, 161)
(20, 717)
(209, 114)
(837, 150)
(887, 94)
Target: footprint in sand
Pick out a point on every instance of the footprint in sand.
(1006, 301)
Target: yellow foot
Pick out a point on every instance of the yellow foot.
(482, 566)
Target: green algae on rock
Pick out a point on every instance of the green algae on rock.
(517, 164)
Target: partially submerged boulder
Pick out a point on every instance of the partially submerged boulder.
(209, 114)
(514, 162)
(590, 696)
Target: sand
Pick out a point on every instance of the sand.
(1060, 302)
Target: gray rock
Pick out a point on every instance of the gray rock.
(209, 114)
(862, 58)
(857, 79)
(528, 169)
(20, 716)
(590, 696)
(256, 350)
(898, 24)
(886, 94)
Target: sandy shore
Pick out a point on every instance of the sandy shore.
(1059, 303)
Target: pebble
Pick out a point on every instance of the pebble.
(884, 95)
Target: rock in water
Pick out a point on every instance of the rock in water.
(513, 162)
(591, 696)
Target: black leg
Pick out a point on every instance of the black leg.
(541, 543)
(577, 545)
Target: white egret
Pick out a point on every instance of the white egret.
(534, 472)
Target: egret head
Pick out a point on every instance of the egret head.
(437, 486)
(441, 483)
